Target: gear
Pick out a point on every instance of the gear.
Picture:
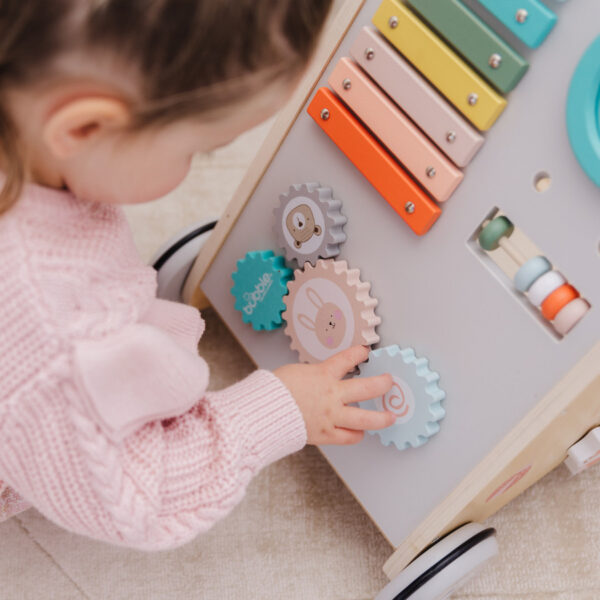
(415, 397)
(308, 223)
(260, 283)
(329, 309)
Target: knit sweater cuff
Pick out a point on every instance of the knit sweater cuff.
(183, 322)
(265, 412)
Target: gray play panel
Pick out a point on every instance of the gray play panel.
(439, 294)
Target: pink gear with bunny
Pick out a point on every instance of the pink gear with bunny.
(329, 324)
(329, 309)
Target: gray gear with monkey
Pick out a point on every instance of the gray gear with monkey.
(308, 223)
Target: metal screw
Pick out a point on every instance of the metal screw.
(430, 172)
(521, 15)
(346, 84)
(393, 22)
(409, 207)
(472, 99)
(495, 60)
(325, 114)
(450, 137)
(369, 53)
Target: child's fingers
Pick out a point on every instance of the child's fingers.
(346, 437)
(360, 389)
(346, 361)
(351, 417)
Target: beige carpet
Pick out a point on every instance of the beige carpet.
(299, 534)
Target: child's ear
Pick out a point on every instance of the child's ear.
(74, 125)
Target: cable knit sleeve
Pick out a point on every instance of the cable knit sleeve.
(121, 441)
(105, 423)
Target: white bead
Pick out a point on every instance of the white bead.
(544, 286)
(570, 315)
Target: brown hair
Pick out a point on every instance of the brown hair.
(194, 56)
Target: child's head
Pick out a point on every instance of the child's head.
(112, 97)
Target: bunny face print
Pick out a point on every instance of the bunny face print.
(328, 309)
(323, 318)
(329, 324)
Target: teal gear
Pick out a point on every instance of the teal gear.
(260, 283)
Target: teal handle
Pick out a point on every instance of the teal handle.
(583, 112)
(535, 24)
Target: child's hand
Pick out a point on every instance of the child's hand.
(322, 397)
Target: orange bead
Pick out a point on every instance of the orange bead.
(557, 299)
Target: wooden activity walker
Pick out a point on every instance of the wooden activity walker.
(432, 190)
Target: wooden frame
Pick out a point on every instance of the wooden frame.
(531, 449)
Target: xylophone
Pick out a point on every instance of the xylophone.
(432, 191)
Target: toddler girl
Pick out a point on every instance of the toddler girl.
(105, 423)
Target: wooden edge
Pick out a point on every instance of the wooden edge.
(543, 429)
(199, 300)
(333, 34)
(545, 452)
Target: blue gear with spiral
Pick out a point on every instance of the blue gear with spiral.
(260, 283)
(415, 397)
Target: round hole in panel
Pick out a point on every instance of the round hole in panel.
(542, 181)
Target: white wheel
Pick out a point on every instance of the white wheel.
(175, 258)
(444, 567)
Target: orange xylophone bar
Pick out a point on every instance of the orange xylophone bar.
(378, 167)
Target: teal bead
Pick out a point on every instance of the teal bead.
(530, 272)
(494, 231)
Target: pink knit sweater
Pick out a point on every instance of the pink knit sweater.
(105, 423)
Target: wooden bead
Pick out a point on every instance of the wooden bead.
(557, 300)
(530, 272)
(544, 286)
(570, 315)
(494, 231)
